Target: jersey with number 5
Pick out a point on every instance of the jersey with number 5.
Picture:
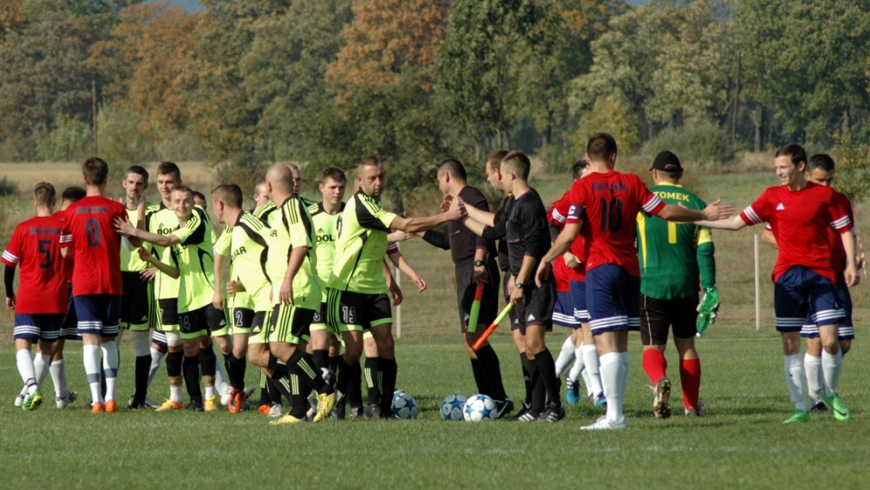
(88, 230)
(35, 248)
(608, 204)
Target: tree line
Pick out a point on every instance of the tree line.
(244, 82)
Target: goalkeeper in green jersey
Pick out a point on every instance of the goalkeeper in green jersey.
(674, 258)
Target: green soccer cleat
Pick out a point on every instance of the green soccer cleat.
(33, 401)
(838, 407)
(799, 416)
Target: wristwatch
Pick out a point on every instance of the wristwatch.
(518, 285)
(478, 263)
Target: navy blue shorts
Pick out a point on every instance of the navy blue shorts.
(98, 314)
(563, 312)
(613, 299)
(845, 330)
(800, 293)
(38, 326)
(159, 338)
(70, 328)
(578, 295)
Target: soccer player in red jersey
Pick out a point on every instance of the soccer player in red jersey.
(812, 266)
(42, 300)
(89, 238)
(604, 205)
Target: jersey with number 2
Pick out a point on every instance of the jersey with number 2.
(89, 231)
(608, 204)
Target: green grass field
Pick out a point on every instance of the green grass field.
(740, 442)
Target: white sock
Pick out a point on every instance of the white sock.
(623, 382)
(566, 356)
(91, 358)
(793, 369)
(141, 342)
(175, 393)
(220, 380)
(815, 381)
(26, 370)
(156, 357)
(831, 368)
(611, 376)
(58, 377)
(577, 367)
(586, 381)
(209, 392)
(40, 361)
(110, 367)
(590, 357)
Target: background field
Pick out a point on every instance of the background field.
(740, 442)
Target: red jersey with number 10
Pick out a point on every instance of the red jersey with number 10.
(800, 221)
(35, 247)
(88, 229)
(608, 204)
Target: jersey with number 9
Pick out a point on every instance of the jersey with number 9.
(608, 204)
(96, 246)
(35, 248)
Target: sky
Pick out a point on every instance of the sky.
(192, 5)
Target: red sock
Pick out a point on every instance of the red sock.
(655, 365)
(690, 378)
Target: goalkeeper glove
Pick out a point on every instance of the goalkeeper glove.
(707, 310)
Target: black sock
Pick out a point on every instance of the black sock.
(480, 378)
(237, 379)
(282, 386)
(313, 376)
(527, 376)
(373, 383)
(320, 359)
(143, 367)
(547, 367)
(173, 364)
(343, 376)
(208, 361)
(299, 402)
(103, 375)
(228, 368)
(539, 393)
(492, 370)
(191, 378)
(264, 390)
(389, 374)
(274, 391)
(280, 370)
(332, 362)
(354, 390)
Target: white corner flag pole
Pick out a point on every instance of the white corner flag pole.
(398, 276)
(757, 287)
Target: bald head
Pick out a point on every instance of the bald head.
(280, 178)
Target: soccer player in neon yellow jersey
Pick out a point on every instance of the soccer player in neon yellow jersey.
(191, 253)
(357, 302)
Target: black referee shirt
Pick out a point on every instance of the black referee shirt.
(461, 241)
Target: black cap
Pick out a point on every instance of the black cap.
(667, 161)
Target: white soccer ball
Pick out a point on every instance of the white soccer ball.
(479, 408)
(404, 405)
(451, 407)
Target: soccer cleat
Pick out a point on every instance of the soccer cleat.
(170, 405)
(603, 423)
(838, 407)
(526, 415)
(552, 414)
(19, 400)
(97, 407)
(211, 404)
(264, 409)
(325, 402)
(276, 411)
(136, 405)
(111, 406)
(356, 412)
(287, 419)
(572, 391)
(33, 401)
(598, 400)
(799, 416)
(503, 407)
(661, 399)
(373, 412)
(235, 404)
(195, 406)
(64, 401)
(338, 411)
(819, 408)
(247, 392)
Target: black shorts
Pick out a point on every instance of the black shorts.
(356, 311)
(136, 302)
(168, 311)
(243, 318)
(201, 321)
(537, 305)
(657, 315)
(466, 287)
(506, 275)
(290, 325)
